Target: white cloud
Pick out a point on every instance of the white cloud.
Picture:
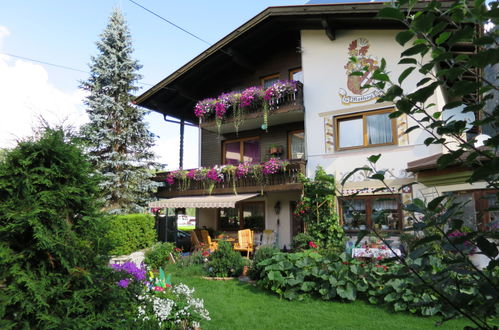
(27, 95)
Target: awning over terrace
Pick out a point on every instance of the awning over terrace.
(216, 201)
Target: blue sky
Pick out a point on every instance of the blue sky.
(64, 32)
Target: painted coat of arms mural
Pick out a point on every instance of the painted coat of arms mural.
(359, 48)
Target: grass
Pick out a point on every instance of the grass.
(237, 305)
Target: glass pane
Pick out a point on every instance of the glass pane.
(269, 82)
(379, 129)
(492, 207)
(254, 216)
(229, 219)
(385, 213)
(350, 132)
(232, 153)
(252, 151)
(469, 214)
(354, 213)
(298, 76)
(297, 145)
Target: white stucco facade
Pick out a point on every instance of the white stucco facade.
(324, 65)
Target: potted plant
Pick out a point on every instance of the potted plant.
(275, 149)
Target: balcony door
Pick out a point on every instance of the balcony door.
(241, 150)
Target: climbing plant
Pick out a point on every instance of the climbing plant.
(318, 211)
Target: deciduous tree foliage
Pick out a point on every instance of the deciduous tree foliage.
(435, 31)
(117, 137)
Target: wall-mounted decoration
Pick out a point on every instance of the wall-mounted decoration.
(402, 138)
(329, 134)
(358, 48)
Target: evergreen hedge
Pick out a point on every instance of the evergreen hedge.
(53, 250)
(131, 232)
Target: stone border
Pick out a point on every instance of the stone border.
(218, 278)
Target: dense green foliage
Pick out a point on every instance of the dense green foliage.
(317, 209)
(160, 254)
(298, 275)
(117, 139)
(302, 241)
(224, 262)
(238, 305)
(469, 84)
(130, 233)
(263, 253)
(53, 251)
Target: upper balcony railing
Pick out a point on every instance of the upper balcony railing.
(252, 108)
(272, 175)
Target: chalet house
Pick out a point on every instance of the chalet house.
(324, 118)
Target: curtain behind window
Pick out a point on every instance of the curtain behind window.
(232, 153)
(252, 151)
(379, 129)
(297, 145)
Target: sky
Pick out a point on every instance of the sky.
(64, 32)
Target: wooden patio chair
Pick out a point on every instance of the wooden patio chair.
(268, 238)
(245, 241)
(207, 240)
(196, 244)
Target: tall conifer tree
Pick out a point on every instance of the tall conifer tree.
(117, 137)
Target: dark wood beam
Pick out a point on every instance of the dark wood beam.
(328, 28)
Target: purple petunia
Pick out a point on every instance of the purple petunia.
(124, 283)
(128, 267)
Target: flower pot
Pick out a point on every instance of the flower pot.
(245, 270)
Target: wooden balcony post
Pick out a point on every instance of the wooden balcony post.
(181, 156)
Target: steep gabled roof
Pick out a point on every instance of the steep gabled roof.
(176, 94)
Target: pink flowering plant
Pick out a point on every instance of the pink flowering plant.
(234, 103)
(210, 177)
(204, 107)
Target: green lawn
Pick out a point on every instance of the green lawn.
(237, 305)
(186, 228)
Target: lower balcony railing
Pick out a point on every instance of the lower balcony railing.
(273, 175)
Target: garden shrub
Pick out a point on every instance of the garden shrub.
(159, 255)
(53, 250)
(302, 242)
(225, 262)
(131, 232)
(317, 210)
(263, 253)
(195, 258)
(308, 273)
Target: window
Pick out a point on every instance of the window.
(382, 211)
(367, 129)
(241, 150)
(267, 81)
(480, 208)
(247, 215)
(296, 144)
(296, 74)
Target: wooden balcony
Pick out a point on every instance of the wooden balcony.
(289, 109)
(286, 180)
